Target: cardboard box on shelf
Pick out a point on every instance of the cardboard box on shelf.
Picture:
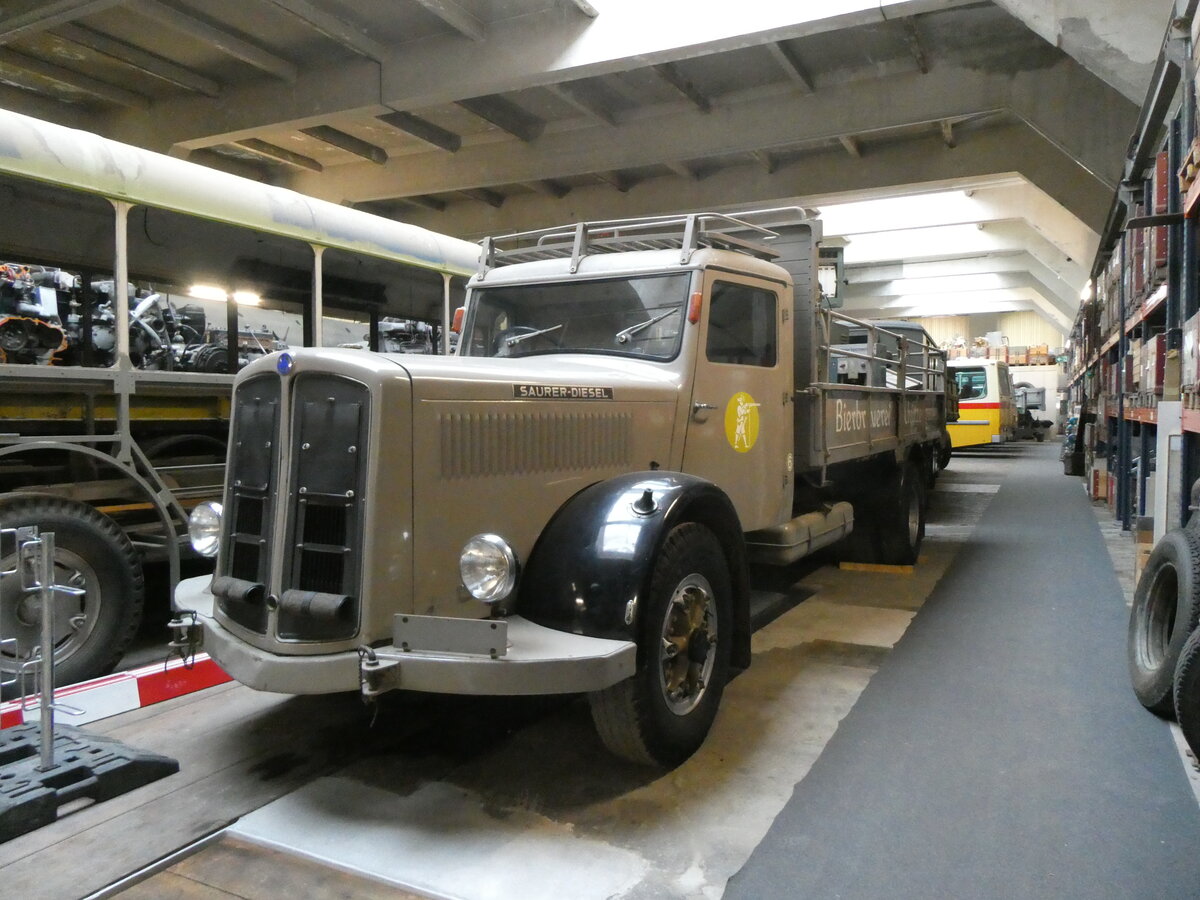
(1153, 361)
(1098, 480)
(1170, 376)
(1143, 537)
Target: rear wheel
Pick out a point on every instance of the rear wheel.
(1165, 612)
(903, 519)
(92, 554)
(661, 715)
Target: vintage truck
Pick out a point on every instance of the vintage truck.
(637, 411)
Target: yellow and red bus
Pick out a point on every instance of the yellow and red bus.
(987, 411)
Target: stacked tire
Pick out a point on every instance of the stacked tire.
(1164, 632)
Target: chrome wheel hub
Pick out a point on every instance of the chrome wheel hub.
(74, 617)
(688, 645)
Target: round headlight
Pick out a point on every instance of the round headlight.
(488, 567)
(204, 528)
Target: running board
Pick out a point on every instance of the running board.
(783, 544)
(87, 767)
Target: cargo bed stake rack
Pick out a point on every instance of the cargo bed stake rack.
(685, 233)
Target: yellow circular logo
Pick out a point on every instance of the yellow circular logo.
(741, 422)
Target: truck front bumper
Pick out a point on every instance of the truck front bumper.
(534, 659)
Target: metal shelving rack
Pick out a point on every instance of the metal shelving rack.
(1154, 209)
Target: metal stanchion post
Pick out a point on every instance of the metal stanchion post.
(45, 581)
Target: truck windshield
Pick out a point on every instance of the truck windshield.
(638, 316)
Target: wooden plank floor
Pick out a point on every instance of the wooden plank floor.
(236, 868)
(237, 750)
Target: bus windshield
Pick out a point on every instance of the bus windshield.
(639, 316)
(972, 383)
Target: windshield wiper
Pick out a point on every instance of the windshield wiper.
(528, 335)
(624, 335)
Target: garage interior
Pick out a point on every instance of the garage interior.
(993, 171)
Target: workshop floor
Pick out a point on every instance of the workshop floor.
(963, 730)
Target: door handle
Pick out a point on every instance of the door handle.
(699, 409)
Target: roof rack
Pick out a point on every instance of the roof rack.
(685, 232)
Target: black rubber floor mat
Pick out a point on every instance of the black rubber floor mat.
(86, 766)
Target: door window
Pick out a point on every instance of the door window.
(742, 325)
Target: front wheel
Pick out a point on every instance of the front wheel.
(661, 715)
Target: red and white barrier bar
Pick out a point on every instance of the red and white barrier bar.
(109, 695)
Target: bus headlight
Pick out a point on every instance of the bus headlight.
(204, 528)
(488, 567)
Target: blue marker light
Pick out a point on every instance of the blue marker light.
(285, 364)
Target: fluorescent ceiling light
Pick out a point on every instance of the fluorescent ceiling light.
(207, 292)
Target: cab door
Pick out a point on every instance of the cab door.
(739, 433)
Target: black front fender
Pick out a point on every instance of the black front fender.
(593, 562)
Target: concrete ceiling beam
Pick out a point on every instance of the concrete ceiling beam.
(586, 100)
(851, 144)
(790, 62)
(952, 242)
(670, 73)
(10, 59)
(768, 161)
(506, 116)
(768, 122)
(49, 15)
(72, 115)
(948, 139)
(462, 21)
(423, 130)
(280, 154)
(975, 303)
(334, 28)
(971, 303)
(921, 165)
(1063, 284)
(916, 46)
(493, 199)
(548, 187)
(518, 54)
(774, 122)
(231, 44)
(1011, 200)
(1115, 40)
(954, 287)
(1080, 114)
(347, 142)
(139, 59)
